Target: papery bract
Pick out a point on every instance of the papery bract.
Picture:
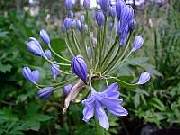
(98, 101)
(32, 76)
(79, 67)
(45, 37)
(144, 77)
(45, 93)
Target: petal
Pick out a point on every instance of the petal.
(118, 111)
(88, 112)
(101, 115)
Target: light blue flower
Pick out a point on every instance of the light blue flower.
(45, 93)
(138, 43)
(55, 70)
(44, 36)
(144, 77)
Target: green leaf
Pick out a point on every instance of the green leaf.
(5, 67)
(137, 61)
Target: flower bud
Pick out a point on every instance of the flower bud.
(48, 54)
(120, 4)
(112, 11)
(144, 77)
(32, 76)
(34, 47)
(138, 42)
(45, 93)
(86, 4)
(69, 4)
(69, 23)
(100, 19)
(104, 4)
(55, 70)
(45, 37)
(79, 67)
(70, 14)
(67, 89)
(79, 25)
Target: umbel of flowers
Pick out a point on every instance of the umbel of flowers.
(98, 42)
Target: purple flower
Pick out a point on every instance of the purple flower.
(112, 11)
(70, 14)
(100, 19)
(55, 70)
(104, 4)
(48, 54)
(67, 89)
(45, 93)
(120, 4)
(79, 67)
(45, 37)
(138, 42)
(32, 76)
(34, 47)
(79, 25)
(144, 77)
(69, 4)
(97, 102)
(69, 23)
(86, 4)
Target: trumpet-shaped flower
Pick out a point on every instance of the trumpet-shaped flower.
(100, 19)
(55, 70)
(32, 76)
(79, 67)
(97, 102)
(45, 93)
(120, 4)
(69, 23)
(144, 77)
(138, 42)
(86, 4)
(48, 54)
(34, 47)
(67, 88)
(104, 4)
(45, 37)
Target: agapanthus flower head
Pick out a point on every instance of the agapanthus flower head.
(69, 23)
(67, 88)
(48, 54)
(138, 42)
(55, 70)
(45, 93)
(104, 4)
(86, 4)
(79, 67)
(97, 102)
(44, 36)
(34, 47)
(112, 11)
(120, 4)
(144, 77)
(32, 76)
(100, 18)
(69, 4)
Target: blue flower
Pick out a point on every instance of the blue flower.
(34, 47)
(69, 4)
(32, 76)
(138, 42)
(79, 25)
(67, 89)
(48, 54)
(79, 67)
(97, 102)
(104, 4)
(70, 14)
(86, 4)
(55, 70)
(45, 37)
(69, 23)
(144, 77)
(100, 19)
(112, 11)
(120, 4)
(45, 93)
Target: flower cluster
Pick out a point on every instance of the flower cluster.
(98, 42)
